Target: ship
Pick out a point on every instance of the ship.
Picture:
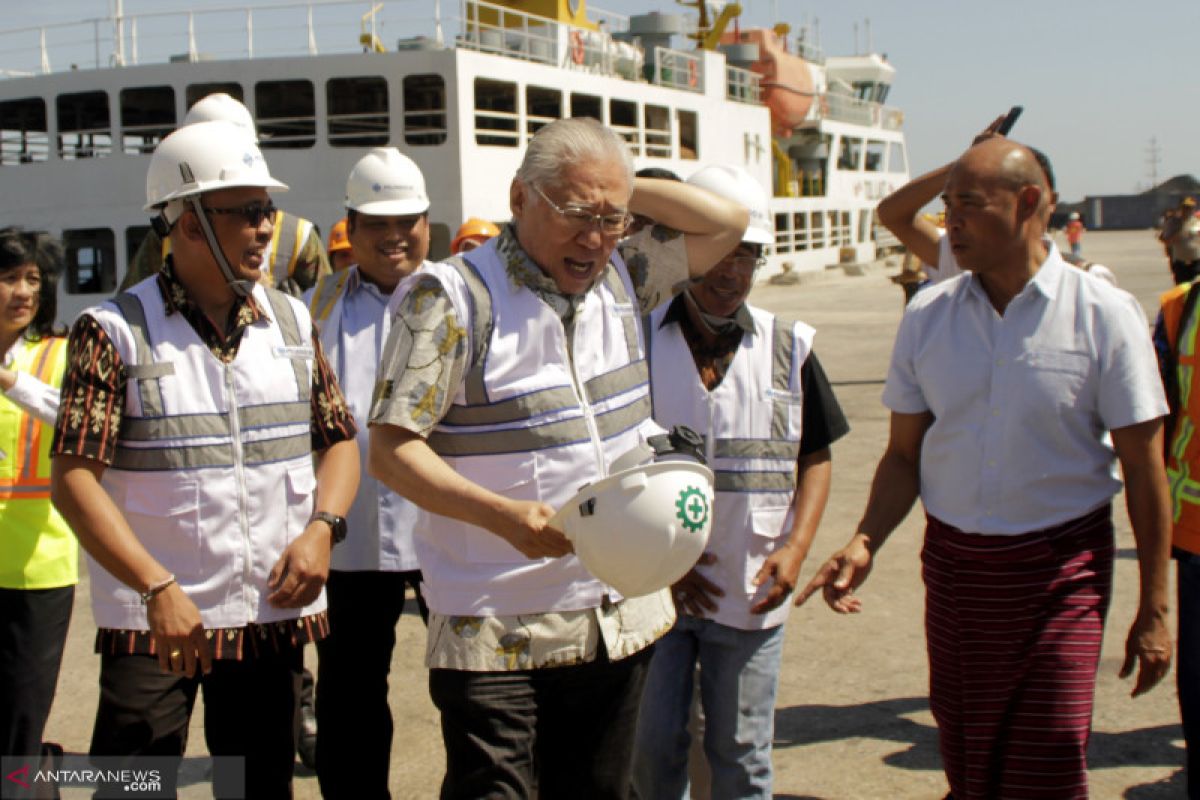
(460, 87)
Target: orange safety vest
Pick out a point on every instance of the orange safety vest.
(1183, 453)
(39, 551)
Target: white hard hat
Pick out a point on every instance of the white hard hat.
(220, 106)
(385, 182)
(642, 528)
(735, 183)
(205, 157)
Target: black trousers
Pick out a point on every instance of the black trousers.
(559, 732)
(33, 633)
(249, 707)
(354, 722)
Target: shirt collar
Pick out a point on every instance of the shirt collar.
(677, 313)
(1045, 281)
(524, 273)
(176, 298)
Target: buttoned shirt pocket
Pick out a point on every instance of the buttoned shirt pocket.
(766, 536)
(514, 477)
(1053, 377)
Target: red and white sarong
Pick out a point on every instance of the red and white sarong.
(1014, 626)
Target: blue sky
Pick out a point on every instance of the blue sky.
(1098, 79)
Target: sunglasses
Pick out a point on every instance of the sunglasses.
(253, 213)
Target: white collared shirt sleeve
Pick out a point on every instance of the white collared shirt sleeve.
(1130, 385)
(34, 397)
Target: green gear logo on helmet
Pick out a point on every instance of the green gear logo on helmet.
(692, 508)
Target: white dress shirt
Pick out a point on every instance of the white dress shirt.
(39, 400)
(1023, 402)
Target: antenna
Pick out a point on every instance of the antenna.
(1153, 158)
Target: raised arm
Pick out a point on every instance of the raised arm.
(900, 213)
(712, 226)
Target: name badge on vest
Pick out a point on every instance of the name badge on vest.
(788, 398)
(624, 309)
(298, 352)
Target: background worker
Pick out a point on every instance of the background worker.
(752, 386)
(1074, 232)
(210, 495)
(341, 252)
(371, 571)
(512, 375)
(295, 256)
(39, 555)
(471, 234)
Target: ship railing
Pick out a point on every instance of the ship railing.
(491, 28)
(678, 70)
(810, 52)
(844, 108)
(743, 85)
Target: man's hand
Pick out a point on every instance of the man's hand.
(525, 525)
(178, 632)
(990, 132)
(838, 577)
(299, 575)
(1148, 644)
(695, 594)
(783, 567)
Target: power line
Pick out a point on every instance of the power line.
(1153, 158)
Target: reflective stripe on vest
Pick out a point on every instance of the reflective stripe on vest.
(141, 429)
(478, 411)
(290, 328)
(254, 453)
(738, 481)
(325, 296)
(285, 246)
(782, 347)
(1184, 489)
(31, 481)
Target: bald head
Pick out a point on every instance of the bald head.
(1011, 164)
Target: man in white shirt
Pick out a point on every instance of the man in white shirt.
(388, 225)
(1004, 384)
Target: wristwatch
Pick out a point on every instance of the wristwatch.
(336, 524)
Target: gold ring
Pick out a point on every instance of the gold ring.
(176, 653)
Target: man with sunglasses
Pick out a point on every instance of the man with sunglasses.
(387, 210)
(513, 374)
(193, 407)
(752, 386)
(295, 257)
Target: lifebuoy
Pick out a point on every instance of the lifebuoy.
(577, 51)
(692, 77)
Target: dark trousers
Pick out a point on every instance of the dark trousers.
(1187, 670)
(354, 723)
(249, 708)
(558, 732)
(33, 633)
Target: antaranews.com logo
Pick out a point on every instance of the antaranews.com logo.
(129, 781)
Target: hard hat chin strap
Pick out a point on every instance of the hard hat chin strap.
(240, 287)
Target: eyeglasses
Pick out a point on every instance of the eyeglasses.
(745, 263)
(582, 218)
(253, 213)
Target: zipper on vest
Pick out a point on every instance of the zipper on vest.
(239, 473)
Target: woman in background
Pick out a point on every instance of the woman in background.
(38, 552)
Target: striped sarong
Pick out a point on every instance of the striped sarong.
(1013, 626)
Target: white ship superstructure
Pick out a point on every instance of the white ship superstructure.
(459, 87)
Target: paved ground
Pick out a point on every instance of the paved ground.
(852, 720)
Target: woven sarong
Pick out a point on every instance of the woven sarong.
(1014, 626)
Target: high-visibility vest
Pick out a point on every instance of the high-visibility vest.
(751, 424)
(1183, 454)
(39, 551)
(530, 423)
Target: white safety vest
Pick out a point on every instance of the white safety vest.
(531, 424)
(213, 466)
(380, 522)
(751, 424)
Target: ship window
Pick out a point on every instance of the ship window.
(623, 118)
(424, 109)
(287, 114)
(587, 105)
(816, 230)
(134, 236)
(847, 228)
(865, 219)
(91, 261)
(850, 155)
(896, 160)
(24, 136)
(495, 112)
(689, 134)
(358, 111)
(147, 116)
(542, 106)
(199, 91)
(84, 129)
(658, 131)
(875, 152)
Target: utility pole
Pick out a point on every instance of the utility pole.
(1153, 158)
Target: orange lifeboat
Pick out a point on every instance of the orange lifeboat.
(787, 82)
